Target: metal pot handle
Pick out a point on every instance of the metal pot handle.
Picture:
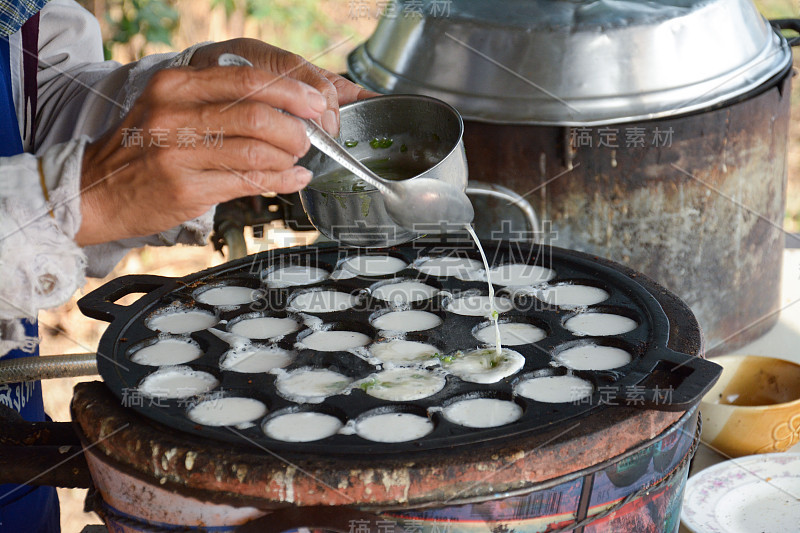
(788, 24)
(479, 188)
(328, 518)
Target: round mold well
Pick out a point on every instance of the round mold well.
(229, 293)
(364, 330)
(369, 265)
(384, 424)
(525, 321)
(405, 321)
(453, 405)
(255, 358)
(295, 414)
(595, 293)
(215, 408)
(609, 347)
(565, 379)
(322, 300)
(264, 326)
(148, 352)
(581, 323)
(178, 382)
(295, 271)
(417, 291)
(179, 318)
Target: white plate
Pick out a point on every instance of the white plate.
(757, 493)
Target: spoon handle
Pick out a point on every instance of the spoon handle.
(328, 146)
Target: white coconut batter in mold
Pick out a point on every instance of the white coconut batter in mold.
(445, 266)
(369, 265)
(403, 384)
(294, 276)
(482, 412)
(227, 295)
(600, 324)
(180, 321)
(302, 427)
(484, 365)
(227, 411)
(167, 351)
(404, 291)
(569, 295)
(478, 305)
(520, 275)
(511, 334)
(554, 389)
(406, 321)
(175, 382)
(393, 427)
(593, 357)
(335, 341)
(264, 327)
(252, 359)
(402, 352)
(311, 385)
(323, 301)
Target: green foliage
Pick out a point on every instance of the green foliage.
(297, 25)
(155, 20)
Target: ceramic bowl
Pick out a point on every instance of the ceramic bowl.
(754, 407)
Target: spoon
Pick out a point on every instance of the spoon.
(424, 205)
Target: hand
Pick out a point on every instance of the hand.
(136, 190)
(336, 89)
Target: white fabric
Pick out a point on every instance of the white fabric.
(80, 97)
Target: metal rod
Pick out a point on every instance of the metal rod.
(47, 367)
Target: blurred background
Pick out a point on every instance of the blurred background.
(323, 31)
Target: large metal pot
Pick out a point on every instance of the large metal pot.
(690, 192)
(702, 213)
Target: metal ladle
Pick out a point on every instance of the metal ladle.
(431, 204)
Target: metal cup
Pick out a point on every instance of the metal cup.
(421, 133)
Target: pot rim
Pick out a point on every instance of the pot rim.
(401, 97)
(705, 53)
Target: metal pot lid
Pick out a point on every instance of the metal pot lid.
(562, 62)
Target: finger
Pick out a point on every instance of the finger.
(314, 77)
(238, 153)
(249, 119)
(234, 184)
(234, 85)
(346, 90)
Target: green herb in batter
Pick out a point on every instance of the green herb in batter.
(365, 202)
(447, 358)
(366, 385)
(336, 386)
(403, 148)
(351, 144)
(383, 142)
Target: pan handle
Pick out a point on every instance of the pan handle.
(676, 382)
(788, 24)
(99, 303)
(338, 519)
(479, 188)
